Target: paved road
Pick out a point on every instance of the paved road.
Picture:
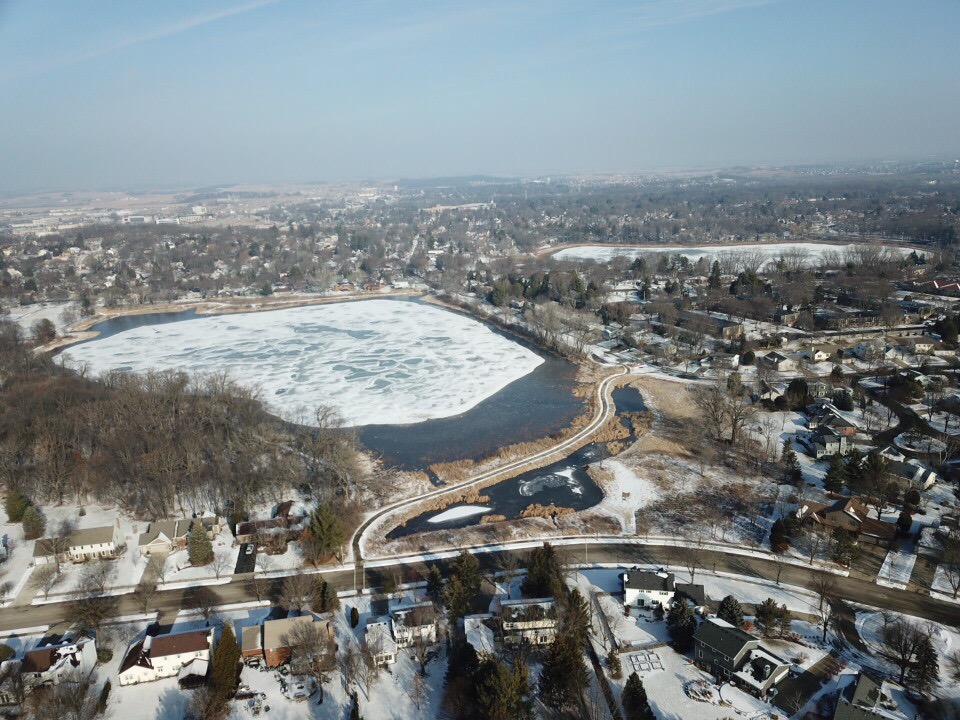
(606, 409)
(241, 589)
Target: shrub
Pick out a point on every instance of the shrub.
(16, 505)
(34, 523)
(354, 617)
(6, 652)
(104, 655)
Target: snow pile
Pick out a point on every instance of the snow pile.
(376, 361)
(456, 513)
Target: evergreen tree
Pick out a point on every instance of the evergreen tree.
(223, 668)
(460, 696)
(731, 611)
(354, 617)
(462, 586)
(715, 280)
(33, 523)
(681, 624)
(199, 547)
(326, 597)
(434, 583)
(766, 617)
(634, 700)
(326, 531)
(544, 573)
(843, 549)
(575, 617)
(16, 505)
(925, 673)
(613, 663)
(502, 691)
(836, 475)
(778, 537)
(564, 675)
(791, 466)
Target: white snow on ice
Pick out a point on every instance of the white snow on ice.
(601, 254)
(458, 512)
(376, 361)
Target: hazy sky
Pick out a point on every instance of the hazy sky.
(145, 93)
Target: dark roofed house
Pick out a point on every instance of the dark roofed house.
(729, 653)
(693, 593)
(644, 589)
(152, 658)
(859, 700)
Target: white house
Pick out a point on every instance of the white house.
(163, 656)
(414, 623)
(80, 546)
(777, 361)
(646, 589)
(63, 662)
(379, 641)
(528, 621)
(166, 536)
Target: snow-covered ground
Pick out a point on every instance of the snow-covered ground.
(602, 254)
(458, 512)
(940, 588)
(26, 315)
(376, 361)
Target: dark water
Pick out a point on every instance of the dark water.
(535, 406)
(565, 483)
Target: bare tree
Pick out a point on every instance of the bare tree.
(222, 562)
(313, 651)
(203, 600)
(45, 577)
(692, 556)
(950, 561)
(297, 591)
(73, 699)
(144, 594)
(901, 640)
(711, 401)
(825, 587)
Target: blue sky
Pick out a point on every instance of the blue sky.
(142, 93)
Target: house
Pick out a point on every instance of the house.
(166, 536)
(155, 657)
(647, 589)
(777, 361)
(922, 345)
(826, 442)
(89, 544)
(914, 472)
(849, 514)
(414, 624)
(694, 594)
(479, 633)
(532, 622)
(268, 643)
(380, 642)
(859, 700)
(193, 674)
(771, 391)
(66, 661)
(732, 654)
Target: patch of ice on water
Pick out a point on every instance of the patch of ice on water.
(458, 512)
(376, 362)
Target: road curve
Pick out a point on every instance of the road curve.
(604, 412)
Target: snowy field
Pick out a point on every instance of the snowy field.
(377, 361)
(896, 569)
(602, 254)
(26, 315)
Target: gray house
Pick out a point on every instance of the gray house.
(858, 701)
(731, 654)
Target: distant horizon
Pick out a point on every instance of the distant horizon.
(559, 176)
(178, 94)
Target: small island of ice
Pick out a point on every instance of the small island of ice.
(376, 362)
(458, 512)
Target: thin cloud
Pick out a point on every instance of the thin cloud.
(134, 40)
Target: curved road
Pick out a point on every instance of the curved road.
(604, 412)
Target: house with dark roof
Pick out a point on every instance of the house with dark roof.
(825, 441)
(849, 514)
(414, 623)
(65, 661)
(731, 654)
(155, 657)
(531, 621)
(647, 589)
(859, 700)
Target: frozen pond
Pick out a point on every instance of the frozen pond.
(813, 252)
(382, 362)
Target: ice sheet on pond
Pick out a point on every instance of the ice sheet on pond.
(377, 361)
